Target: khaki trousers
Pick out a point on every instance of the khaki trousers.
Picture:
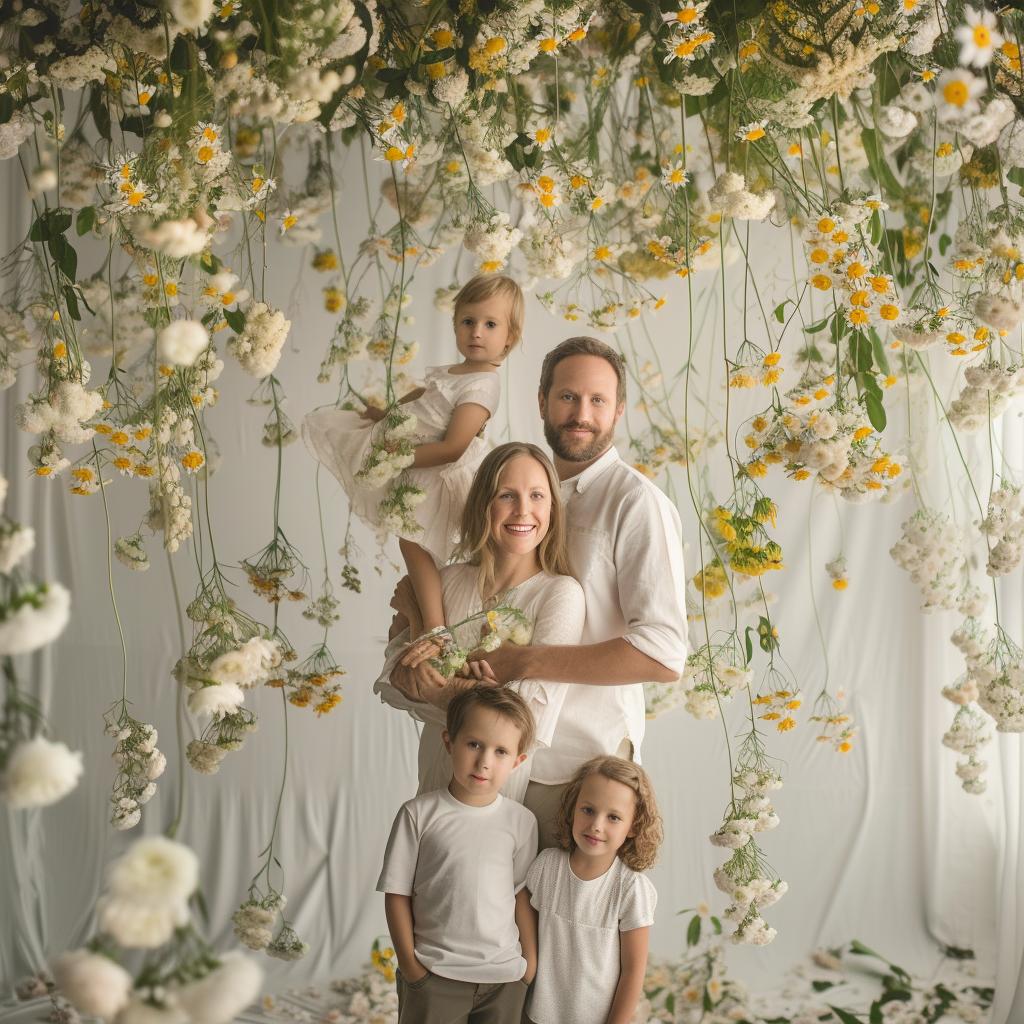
(437, 1000)
(544, 801)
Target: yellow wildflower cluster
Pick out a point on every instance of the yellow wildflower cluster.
(746, 543)
(838, 730)
(778, 707)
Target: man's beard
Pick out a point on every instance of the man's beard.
(576, 449)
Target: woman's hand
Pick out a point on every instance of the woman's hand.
(422, 684)
(371, 412)
(420, 651)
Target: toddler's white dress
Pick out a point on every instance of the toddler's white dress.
(340, 440)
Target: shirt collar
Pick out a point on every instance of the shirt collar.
(579, 483)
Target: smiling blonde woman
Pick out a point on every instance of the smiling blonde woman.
(513, 543)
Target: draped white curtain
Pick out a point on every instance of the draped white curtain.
(880, 844)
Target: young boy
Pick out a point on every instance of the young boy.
(454, 870)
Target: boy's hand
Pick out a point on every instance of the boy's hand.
(416, 971)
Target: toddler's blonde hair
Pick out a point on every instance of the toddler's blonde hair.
(639, 851)
(487, 286)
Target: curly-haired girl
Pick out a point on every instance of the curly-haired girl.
(595, 907)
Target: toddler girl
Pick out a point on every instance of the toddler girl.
(451, 410)
(595, 907)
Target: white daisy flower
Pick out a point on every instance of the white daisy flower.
(957, 94)
(979, 38)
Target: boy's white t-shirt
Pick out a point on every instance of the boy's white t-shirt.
(578, 962)
(462, 866)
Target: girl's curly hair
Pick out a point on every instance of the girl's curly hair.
(639, 851)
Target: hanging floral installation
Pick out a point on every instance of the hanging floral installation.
(615, 157)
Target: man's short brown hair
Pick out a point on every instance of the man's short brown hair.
(583, 346)
(499, 699)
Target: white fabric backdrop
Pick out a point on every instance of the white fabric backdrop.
(880, 844)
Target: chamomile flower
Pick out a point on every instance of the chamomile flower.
(752, 132)
(957, 94)
(689, 13)
(979, 38)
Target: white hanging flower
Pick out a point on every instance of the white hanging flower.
(39, 773)
(37, 622)
(156, 870)
(138, 1011)
(92, 983)
(217, 701)
(979, 38)
(181, 342)
(258, 347)
(895, 122)
(180, 238)
(14, 546)
(224, 993)
(191, 14)
(957, 94)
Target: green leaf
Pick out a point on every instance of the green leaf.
(6, 107)
(392, 75)
(204, 912)
(1016, 175)
(693, 931)
(819, 326)
(863, 355)
(717, 924)
(876, 228)
(879, 349)
(780, 314)
(845, 1016)
(876, 411)
(670, 1003)
(820, 986)
(85, 220)
(944, 243)
(438, 56)
(100, 113)
(235, 319)
(72, 300)
(64, 256)
(210, 263)
(39, 232)
(749, 645)
(880, 169)
(875, 1016)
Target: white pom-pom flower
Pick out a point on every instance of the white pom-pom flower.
(39, 773)
(180, 343)
(92, 983)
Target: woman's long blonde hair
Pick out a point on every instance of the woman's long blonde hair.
(476, 545)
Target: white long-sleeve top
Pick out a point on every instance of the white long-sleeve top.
(626, 550)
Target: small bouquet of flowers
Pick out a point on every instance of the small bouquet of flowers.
(503, 623)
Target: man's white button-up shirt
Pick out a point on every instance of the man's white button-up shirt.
(626, 549)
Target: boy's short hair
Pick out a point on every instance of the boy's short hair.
(499, 699)
(583, 346)
(486, 286)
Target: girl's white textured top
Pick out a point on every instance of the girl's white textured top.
(556, 609)
(578, 936)
(340, 440)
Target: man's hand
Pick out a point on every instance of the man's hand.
(503, 665)
(403, 600)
